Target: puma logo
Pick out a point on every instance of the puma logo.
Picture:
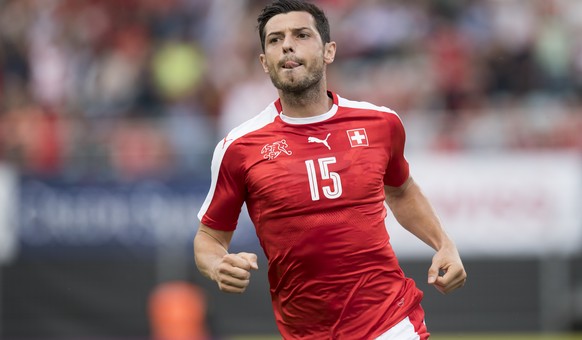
(320, 141)
(226, 140)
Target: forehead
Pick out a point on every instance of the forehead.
(290, 21)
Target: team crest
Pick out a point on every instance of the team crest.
(357, 137)
(273, 150)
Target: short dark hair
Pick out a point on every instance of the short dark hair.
(286, 6)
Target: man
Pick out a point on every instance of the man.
(315, 170)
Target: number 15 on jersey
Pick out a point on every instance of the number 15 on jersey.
(330, 191)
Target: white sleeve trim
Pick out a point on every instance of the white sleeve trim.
(264, 118)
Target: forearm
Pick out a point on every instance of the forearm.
(209, 248)
(413, 211)
(230, 271)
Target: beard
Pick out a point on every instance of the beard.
(297, 85)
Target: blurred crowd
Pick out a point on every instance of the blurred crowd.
(135, 88)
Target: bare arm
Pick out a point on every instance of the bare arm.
(230, 271)
(415, 213)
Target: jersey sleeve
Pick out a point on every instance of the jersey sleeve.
(226, 196)
(397, 171)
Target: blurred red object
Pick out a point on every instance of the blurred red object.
(177, 311)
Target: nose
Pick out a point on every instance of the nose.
(288, 44)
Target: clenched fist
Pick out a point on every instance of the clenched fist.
(233, 272)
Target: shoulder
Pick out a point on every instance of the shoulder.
(258, 122)
(381, 111)
(228, 143)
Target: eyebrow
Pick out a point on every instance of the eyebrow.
(293, 30)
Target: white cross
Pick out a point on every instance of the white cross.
(357, 137)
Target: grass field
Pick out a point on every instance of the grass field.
(488, 336)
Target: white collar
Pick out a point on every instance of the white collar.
(309, 120)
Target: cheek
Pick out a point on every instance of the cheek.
(270, 62)
(266, 64)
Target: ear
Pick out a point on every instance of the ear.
(329, 52)
(263, 60)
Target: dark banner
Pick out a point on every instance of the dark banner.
(92, 254)
(139, 215)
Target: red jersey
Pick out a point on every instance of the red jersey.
(314, 189)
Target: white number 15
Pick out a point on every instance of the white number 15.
(331, 192)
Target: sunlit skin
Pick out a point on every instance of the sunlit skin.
(296, 59)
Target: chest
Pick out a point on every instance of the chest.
(299, 167)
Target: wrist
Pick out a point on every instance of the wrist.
(213, 270)
(444, 244)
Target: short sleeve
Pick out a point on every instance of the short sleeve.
(226, 196)
(397, 171)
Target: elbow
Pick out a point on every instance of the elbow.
(394, 193)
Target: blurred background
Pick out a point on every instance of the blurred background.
(110, 110)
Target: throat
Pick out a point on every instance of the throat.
(306, 103)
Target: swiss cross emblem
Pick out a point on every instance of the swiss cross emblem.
(358, 137)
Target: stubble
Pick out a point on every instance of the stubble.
(299, 90)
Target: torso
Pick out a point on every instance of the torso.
(314, 190)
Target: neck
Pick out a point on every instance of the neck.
(308, 103)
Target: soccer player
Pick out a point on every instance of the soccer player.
(315, 170)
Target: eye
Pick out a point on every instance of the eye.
(273, 40)
(303, 35)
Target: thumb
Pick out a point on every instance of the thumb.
(251, 259)
(433, 273)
